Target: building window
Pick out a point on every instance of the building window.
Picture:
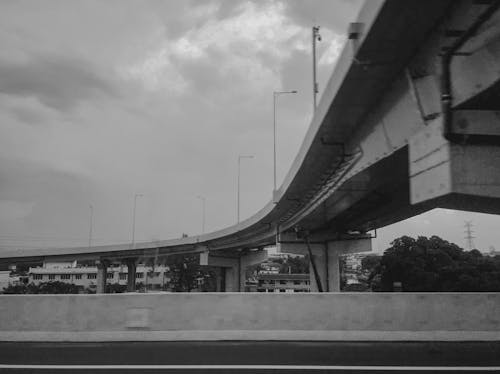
(37, 276)
(110, 275)
(78, 276)
(282, 281)
(65, 276)
(91, 276)
(271, 281)
(296, 282)
(52, 276)
(139, 275)
(123, 276)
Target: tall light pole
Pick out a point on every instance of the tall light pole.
(315, 37)
(90, 226)
(240, 157)
(203, 213)
(275, 95)
(133, 218)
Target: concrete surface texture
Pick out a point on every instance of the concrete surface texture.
(239, 316)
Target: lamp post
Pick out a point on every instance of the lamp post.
(315, 37)
(90, 226)
(275, 95)
(240, 157)
(203, 200)
(133, 218)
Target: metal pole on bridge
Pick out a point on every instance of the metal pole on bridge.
(238, 195)
(133, 218)
(315, 37)
(91, 223)
(203, 213)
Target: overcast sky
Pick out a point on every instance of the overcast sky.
(102, 100)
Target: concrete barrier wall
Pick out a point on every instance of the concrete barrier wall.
(255, 316)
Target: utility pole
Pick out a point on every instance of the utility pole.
(203, 201)
(240, 157)
(133, 217)
(469, 238)
(315, 37)
(91, 223)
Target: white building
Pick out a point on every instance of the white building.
(86, 276)
(282, 283)
(6, 279)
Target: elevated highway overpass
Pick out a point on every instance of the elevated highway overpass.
(407, 122)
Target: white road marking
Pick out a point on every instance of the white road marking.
(251, 367)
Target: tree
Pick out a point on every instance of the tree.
(186, 274)
(294, 265)
(55, 287)
(370, 263)
(433, 264)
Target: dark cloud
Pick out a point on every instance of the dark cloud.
(56, 81)
(334, 14)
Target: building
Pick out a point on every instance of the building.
(282, 283)
(86, 276)
(6, 279)
(269, 267)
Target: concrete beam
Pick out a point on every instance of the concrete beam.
(439, 168)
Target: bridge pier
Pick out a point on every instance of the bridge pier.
(232, 268)
(326, 258)
(102, 275)
(131, 271)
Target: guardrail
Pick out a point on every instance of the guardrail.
(240, 316)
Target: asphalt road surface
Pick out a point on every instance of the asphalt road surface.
(251, 357)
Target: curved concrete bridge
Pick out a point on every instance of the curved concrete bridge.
(408, 122)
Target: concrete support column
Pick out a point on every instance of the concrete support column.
(102, 276)
(333, 268)
(320, 253)
(232, 281)
(131, 268)
(219, 277)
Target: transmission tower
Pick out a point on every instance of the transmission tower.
(469, 238)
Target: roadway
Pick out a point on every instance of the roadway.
(250, 357)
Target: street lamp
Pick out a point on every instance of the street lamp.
(240, 157)
(90, 226)
(275, 95)
(315, 37)
(133, 218)
(203, 213)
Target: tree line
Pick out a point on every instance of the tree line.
(431, 265)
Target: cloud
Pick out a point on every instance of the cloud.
(154, 97)
(59, 82)
(334, 14)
